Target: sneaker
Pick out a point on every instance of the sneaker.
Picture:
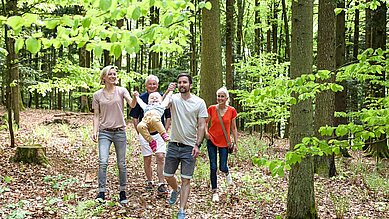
(215, 197)
(229, 179)
(162, 190)
(149, 186)
(100, 197)
(181, 214)
(173, 197)
(165, 137)
(153, 145)
(123, 198)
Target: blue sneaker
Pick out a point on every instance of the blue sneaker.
(181, 214)
(173, 196)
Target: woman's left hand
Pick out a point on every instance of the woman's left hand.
(235, 148)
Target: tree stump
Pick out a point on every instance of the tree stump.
(31, 154)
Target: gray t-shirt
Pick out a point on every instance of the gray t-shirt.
(111, 107)
(185, 114)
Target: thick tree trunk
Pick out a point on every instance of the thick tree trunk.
(31, 154)
(326, 60)
(379, 147)
(301, 195)
(211, 65)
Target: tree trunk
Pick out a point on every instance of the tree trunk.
(239, 28)
(211, 65)
(257, 21)
(229, 44)
(379, 147)
(35, 154)
(286, 28)
(275, 27)
(301, 195)
(325, 100)
(84, 106)
(154, 56)
(356, 31)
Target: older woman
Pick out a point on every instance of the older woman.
(216, 138)
(109, 127)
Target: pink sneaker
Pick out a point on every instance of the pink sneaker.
(165, 137)
(153, 145)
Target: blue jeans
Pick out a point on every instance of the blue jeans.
(119, 140)
(223, 157)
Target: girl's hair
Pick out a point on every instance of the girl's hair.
(152, 77)
(225, 91)
(104, 72)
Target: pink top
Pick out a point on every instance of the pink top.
(111, 107)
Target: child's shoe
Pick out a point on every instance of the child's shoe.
(165, 137)
(153, 145)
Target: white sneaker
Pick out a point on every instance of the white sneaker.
(229, 179)
(215, 197)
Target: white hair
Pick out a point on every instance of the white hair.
(225, 91)
(152, 77)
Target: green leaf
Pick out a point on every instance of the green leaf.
(98, 50)
(168, 20)
(105, 4)
(86, 22)
(33, 45)
(46, 43)
(136, 13)
(19, 43)
(341, 130)
(116, 50)
(208, 5)
(51, 24)
(30, 19)
(336, 87)
(15, 22)
(338, 11)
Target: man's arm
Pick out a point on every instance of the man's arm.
(200, 136)
(166, 100)
(135, 121)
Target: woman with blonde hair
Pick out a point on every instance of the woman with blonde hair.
(216, 137)
(109, 127)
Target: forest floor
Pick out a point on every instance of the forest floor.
(67, 187)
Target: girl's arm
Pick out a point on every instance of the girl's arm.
(166, 100)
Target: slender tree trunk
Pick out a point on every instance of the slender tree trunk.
(12, 68)
(239, 27)
(356, 32)
(301, 195)
(84, 107)
(154, 56)
(229, 44)
(286, 28)
(275, 27)
(211, 65)
(257, 46)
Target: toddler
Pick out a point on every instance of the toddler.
(151, 121)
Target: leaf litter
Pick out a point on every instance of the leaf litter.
(67, 187)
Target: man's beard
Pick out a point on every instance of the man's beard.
(183, 90)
